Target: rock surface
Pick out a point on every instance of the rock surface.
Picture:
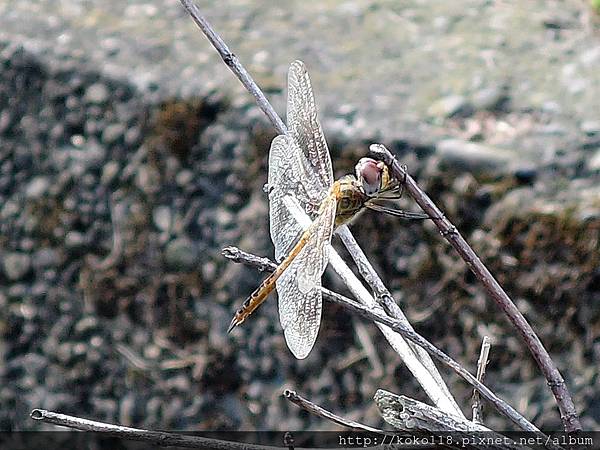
(130, 157)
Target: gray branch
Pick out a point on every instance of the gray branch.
(161, 438)
(315, 409)
(482, 362)
(556, 382)
(380, 316)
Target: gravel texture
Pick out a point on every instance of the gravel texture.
(129, 156)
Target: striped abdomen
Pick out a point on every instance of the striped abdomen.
(261, 293)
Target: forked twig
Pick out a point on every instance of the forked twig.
(315, 409)
(482, 362)
(379, 315)
(556, 382)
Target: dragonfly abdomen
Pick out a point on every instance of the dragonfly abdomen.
(261, 293)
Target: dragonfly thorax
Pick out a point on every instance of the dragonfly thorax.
(350, 199)
(372, 175)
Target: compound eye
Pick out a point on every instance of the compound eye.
(368, 172)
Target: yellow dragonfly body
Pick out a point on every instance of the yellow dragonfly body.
(300, 168)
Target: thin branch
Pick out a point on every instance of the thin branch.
(379, 315)
(160, 438)
(555, 380)
(315, 409)
(417, 361)
(384, 297)
(239, 256)
(482, 362)
(234, 64)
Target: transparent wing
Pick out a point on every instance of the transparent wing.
(299, 287)
(299, 163)
(285, 172)
(305, 129)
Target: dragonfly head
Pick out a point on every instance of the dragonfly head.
(372, 175)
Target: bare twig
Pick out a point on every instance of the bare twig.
(239, 256)
(384, 297)
(418, 362)
(234, 64)
(379, 315)
(312, 408)
(482, 362)
(407, 414)
(555, 380)
(160, 438)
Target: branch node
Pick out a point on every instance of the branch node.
(452, 231)
(37, 414)
(229, 59)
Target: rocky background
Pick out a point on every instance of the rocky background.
(129, 156)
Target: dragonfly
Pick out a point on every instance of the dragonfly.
(300, 170)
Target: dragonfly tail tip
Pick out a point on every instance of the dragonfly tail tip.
(232, 325)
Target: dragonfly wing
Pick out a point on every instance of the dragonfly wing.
(299, 287)
(285, 162)
(316, 251)
(305, 129)
(299, 163)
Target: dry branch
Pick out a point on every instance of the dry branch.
(379, 315)
(407, 414)
(315, 409)
(482, 362)
(161, 438)
(450, 233)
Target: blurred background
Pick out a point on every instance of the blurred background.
(130, 155)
